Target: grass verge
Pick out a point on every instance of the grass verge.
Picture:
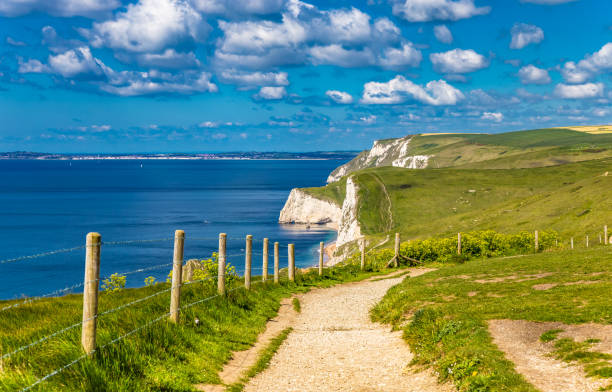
(444, 313)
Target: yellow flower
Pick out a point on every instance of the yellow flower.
(474, 373)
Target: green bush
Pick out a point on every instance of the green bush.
(474, 244)
(208, 269)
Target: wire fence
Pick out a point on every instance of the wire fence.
(269, 273)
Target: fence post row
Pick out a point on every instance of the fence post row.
(291, 263)
(459, 243)
(177, 275)
(362, 253)
(264, 266)
(276, 255)
(321, 250)
(221, 270)
(248, 254)
(90, 292)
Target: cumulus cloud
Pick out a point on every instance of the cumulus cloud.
(590, 66)
(371, 119)
(250, 79)
(493, 116)
(169, 58)
(343, 37)
(398, 89)
(239, 7)
(339, 96)
(531, 74)
(443, 34)
(271, 93)
(150, 26)
(428, 10)
(67, 8)
(78, 62)
(578, 91)
(458, 61)
(524, 34)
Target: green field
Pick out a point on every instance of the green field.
(444, 313)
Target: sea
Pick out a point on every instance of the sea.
(47, 207)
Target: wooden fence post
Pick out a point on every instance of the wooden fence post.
(536, 241)
(276, 255)
(572, 242)
(321, 251)
(247, 261)
(587, 241)
(264, 266)
(177, 275)
(459, 243)
(362, 253)
(291, 262)
(221, 270)
(90, 292)
(599, 238)
(397, 249)
(606, 239)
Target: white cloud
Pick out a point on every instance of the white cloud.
(32, 66)
(601, 112)
(428, 10)
(219, 136)
(13, 42)
(407, 55)
(66, 8)
(150, 26)
(458, 61)
(343, 37)
(240, 7)
(371, 119)
(129, 83)
(493, 116)
(271, 93)
(208, 124)
(525, 34)
(398, 89)
(531, 74)
(76, 62)
(339, 96)
(250, 79)
(170, 58)
(590, 66)
(335, 54)
(443, 34)
(577, 91)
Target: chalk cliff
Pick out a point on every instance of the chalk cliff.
(301, 207)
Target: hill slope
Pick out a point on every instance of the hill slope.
(535, 148)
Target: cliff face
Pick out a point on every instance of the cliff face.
(349, 229)
(390, 152)
(301, 207)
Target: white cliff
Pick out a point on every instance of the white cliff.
(349, 228)
(301, 207)
(390, 152)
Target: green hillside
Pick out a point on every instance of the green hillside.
(572, 198)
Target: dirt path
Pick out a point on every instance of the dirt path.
(335, 347)
(520, 342)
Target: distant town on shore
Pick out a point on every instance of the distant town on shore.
(186, 156)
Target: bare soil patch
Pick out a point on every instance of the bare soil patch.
(520, 342)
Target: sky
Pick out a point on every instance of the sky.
(285, 75)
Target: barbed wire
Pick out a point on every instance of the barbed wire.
(130, 242)
(39, 297)
(43, 254)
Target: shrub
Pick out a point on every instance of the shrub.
(149, 281)
(115, 283)
(207, 271)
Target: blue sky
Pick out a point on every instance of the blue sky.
(286, 75)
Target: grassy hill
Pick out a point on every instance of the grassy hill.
(540, 179)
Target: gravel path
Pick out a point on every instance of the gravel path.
(335, 347)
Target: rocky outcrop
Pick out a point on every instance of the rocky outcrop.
(301, 207)
(389, 152)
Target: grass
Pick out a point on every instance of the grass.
(296, 305)
(444, 314)
(571, 199)
(263, 361)
(162, 357)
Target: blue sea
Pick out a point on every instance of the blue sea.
(51, 205)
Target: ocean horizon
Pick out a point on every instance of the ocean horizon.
(49, 205)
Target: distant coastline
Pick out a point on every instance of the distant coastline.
(316, 155)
